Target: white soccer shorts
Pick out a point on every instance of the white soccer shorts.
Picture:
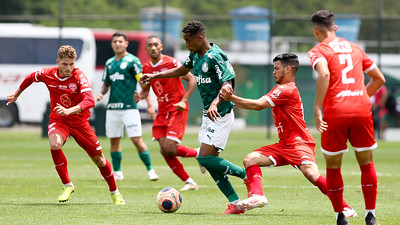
(216, 133)
(117, 120)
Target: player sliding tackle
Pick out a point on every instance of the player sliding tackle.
(296, 144)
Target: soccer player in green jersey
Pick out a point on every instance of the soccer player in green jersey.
(121, 74)
(213, 72)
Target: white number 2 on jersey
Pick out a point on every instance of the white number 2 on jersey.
(346, 59)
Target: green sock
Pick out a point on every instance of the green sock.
(222, 166)
(116, 158)
(224, 185)
(145, 157)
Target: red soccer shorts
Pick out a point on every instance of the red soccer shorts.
(358, 130)
(171, 125)
(82, 133)
(294, 155)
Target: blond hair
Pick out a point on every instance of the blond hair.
(66, 51)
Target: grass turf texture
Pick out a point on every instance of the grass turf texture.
(29, 186)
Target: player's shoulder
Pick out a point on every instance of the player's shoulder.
(110, 60)
(131, 58)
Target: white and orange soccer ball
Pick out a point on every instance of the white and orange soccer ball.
(169, 200)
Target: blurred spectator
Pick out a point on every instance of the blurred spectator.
(378, 101)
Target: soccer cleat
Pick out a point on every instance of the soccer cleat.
(118, 175)
(117, 198)
(189, 186)
(66, 192)
(232, 209)
(349, 212)
(152, 175)
(370, 219)
(255, 201)
(341, 219)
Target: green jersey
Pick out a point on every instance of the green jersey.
(123, 76)
(211, 70)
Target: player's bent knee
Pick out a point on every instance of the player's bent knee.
(99, 160)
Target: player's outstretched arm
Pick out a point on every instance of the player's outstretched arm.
(11, 98)
(171, 73)
(244, 103)
(191, 84)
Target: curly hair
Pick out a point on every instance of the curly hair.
(66, 51)
(194, 27)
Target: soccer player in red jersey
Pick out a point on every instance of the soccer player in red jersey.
(170, 123)
(296, 144)
(70, 100)
(346, 110)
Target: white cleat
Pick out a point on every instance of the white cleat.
(118, 175)
(349, 212)
(152, 175)
(255, 201)
(189, 186)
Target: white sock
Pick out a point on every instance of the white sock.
(235, 202)
(69, 184)
(370, 210)
(113, 192)
(190, 180)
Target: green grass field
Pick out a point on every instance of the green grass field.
(29, 186)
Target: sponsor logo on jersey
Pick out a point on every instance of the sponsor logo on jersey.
(123, 65)
(117, 76)
(219, 72)
(275, 94)
(340, 46)
(72, 87)
(347, 93)
(64, 87)
(203, 80)
(118, 105)
(204, 67)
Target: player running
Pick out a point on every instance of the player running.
(70, 100)
(173, 107)
(121, 74)
(213, 72)
(296, 144)
(346, 107)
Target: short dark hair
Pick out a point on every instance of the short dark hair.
(288, 59)
(119, 34)
(194, 27)
(151, 37)
(323, 19)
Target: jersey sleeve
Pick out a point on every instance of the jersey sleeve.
(137, 69)
(223, 68)
(368, 64)
(88, 99)
(189, 61)
(279, 96)
(315, 56)
(105, 77)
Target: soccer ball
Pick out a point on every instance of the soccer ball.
(169, 200)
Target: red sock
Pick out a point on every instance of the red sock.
(321, 184)
(254, 175)
(247, 183)
(108, 175)
(335, 186)
(185, 151)
(60, 163)
(369, 185)
(176, 167)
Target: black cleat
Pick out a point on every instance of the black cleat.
(341, 219)
(370, 219)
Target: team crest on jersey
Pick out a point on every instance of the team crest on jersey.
(65, 100)
(204, 67)
(72, 87)
(123, 65)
